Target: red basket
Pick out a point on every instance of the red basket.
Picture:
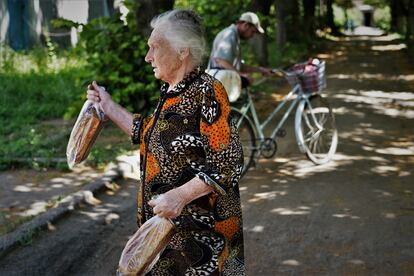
(311, 77)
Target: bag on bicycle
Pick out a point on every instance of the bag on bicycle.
(231, 81)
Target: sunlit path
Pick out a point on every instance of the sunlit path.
(354, 215)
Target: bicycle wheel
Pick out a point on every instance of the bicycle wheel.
(315, 129)
(247, 138)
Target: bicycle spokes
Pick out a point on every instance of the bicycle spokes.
(317, 130)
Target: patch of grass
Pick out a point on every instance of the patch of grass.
(29, 101)
(10, 222)
(28, 98)
(39, 102)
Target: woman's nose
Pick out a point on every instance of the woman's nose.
(148, 57)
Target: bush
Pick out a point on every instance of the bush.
(382, 18)
(115, 59)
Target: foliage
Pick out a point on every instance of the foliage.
(34, 98)
(345, 4)
(33, 89)
(291, 53)
(32, 92)
(64, 23)
(382, 18)
(216, 14)
(115, 59)
(378, 3)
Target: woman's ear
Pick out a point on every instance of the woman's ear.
(184, 53)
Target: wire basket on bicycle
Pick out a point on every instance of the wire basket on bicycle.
(310, 75)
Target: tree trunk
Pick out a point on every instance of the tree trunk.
(280, 23)
(97, 9)
(397, 16)
(49, 11)
(145, 10)
(111, 7)
(410, 23)
(309, 17)
(259, 42)
(288, 21)
(330, 17)
(322, 8)
(293, 20)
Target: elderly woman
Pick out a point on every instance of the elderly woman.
(191, 158)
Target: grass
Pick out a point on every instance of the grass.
(41, 95)
(10, 222)
(29, 101)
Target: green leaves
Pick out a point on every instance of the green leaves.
(115, 55)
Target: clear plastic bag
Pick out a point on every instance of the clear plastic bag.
(231, 81)
(144, 248)
(84, 133)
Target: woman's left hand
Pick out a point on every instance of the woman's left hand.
(169, 204)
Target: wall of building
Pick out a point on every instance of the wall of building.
(26, 23)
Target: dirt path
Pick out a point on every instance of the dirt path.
(354, 216)
(87, 242)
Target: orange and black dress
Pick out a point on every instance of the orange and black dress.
(191, 134)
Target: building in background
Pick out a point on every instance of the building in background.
(367, 12)
(26, 23)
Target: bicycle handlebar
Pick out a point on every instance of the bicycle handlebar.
(276, 73)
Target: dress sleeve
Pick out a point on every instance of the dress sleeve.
(223, 153)
(138, 124)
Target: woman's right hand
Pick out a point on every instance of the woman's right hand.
(99, 95)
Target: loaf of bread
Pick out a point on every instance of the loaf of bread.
(84, 133)
(143, 249)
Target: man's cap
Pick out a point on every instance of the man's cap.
(252, 18)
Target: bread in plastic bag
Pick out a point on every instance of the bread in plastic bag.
(84, 133)
(144, 248)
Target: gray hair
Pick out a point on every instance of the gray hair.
(183, 29)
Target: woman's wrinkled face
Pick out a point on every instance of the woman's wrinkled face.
(163, 58)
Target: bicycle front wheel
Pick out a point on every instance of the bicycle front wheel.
(246, 137)
(315, 129)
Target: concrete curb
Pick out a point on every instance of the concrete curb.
(124, 166)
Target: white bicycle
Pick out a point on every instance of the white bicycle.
(315, 128)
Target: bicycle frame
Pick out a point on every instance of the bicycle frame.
(260, 127)
(313, 116)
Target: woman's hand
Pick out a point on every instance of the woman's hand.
(169, 204)
(99, 95)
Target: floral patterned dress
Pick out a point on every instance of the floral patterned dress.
(191, 134)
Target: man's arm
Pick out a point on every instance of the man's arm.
(227, 65)
(263, 70)
(246, 69)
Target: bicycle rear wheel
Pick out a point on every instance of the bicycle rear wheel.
(247, 139)
(315, 129)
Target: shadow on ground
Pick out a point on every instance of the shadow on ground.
(354, 215)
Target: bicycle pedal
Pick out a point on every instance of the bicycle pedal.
(281, 133)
